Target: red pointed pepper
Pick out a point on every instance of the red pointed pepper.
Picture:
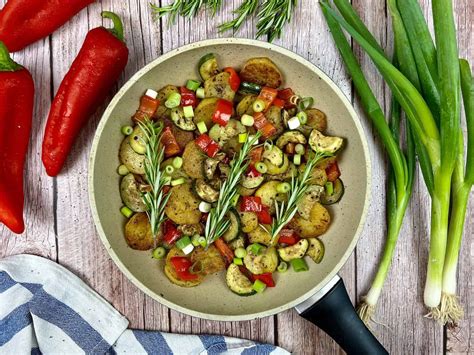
(97, 67)
(16, 110)
(23, 22)
(234, 79)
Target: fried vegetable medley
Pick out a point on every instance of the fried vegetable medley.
(206, 123)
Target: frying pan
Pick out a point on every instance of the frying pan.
(318, 295)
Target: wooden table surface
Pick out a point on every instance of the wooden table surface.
(59, 223)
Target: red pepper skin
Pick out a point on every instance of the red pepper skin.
(266, 278)
(251, 204)
(268, 95)
(93, 73)
(264, 216)
(234, 79)
(188, 97)
(171, 234)
(255, 155)
(252, 172)
(279, 103)
(181, 265)
(169, 141)
(16, 111)
(223, 112)
(207, 145)
(333, 172)
(226, 252)
(147, 109)
(288, 237)
(23, 22)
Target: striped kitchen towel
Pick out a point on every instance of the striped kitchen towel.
(46, 309)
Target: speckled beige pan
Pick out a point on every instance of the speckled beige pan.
(212, 299)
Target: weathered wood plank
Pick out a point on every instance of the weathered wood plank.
(39, 235)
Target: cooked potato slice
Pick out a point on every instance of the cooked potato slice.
(245, 105)
(131, 194)
(163, 111)
(210, 259)
(134, 162)
(296, 251)
(316, 119)
(268, 194)
(249, 221)
(315, 250)
(193, 161)
(191, 229)
(318, 175)
(260, 235)
(173, 276)
(261, 71)
(183, 205)
(138, 232)
(265, 262)
(218, 86)
(205, 110)
(317, 224)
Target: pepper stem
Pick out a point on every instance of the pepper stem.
(6, 62)
(117, 30)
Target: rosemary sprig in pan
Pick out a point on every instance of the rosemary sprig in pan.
(217, 223)
(155, 199)
(187, 8)
(285, 211)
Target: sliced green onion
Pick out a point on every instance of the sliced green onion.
(127, 212)
(202, 242)
(169, 169)
(247, 120)
(254, 248)
(305, 103)
(195, 240)
(258, 105)
(299, 265)
(201, 126)
(329, 187)
(122, 170)
(297, 159)
(303, 117)
(235, 199)
(183, 242)
(299, 149)
(283, 187)
(188, 111)
(204, 206)
(177, 182)
(177, 162)
(294, 123)
(193, 85)
(282, 267)
(167, 180)
(159, 253)
(243, 137)
(259, 286)
(261, 167)
(127, 130)
(238, 261)
(240, 252)
(173, 100)
(200, 93)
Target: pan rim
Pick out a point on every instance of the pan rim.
(205, 43)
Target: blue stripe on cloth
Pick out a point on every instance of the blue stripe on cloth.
(152, 342)
(6, 281)
(261, 349)
(33, 288)
(48, 308)
(14, 322)
(36, 351)
(214, 344)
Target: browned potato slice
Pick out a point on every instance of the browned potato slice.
(245, 105)
(316, 119)
(205, 110)
(268, 194)
(260, 235)
(191, 229)
(261, 71)
(210, 259)
(173, 276)
(138, 232)
(317, 224)
(193, 160)
(218, 86)
(134, 162)
(163, 111)
(183, 205)
(318, 175)
(248, 221)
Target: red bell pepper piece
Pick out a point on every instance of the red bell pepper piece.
(16, 110)
(259, 120)
(188, 97)
(147, 109)
(285, 95)
(207, 145)
(212, 149)
(100, 62)
(266, 278)
(225, 251)
(234, 80)
(268, 95)
(333, 172)
(288, 237)
(251, 204)
(23, 22)
(181, 265)
(268, 130)
(255, 155)
(223, 112)
(169, 141)
(279, 103)
(252, 172)
(264, 216)
(171, 233)
(263, 125)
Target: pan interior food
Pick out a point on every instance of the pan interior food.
(212, 299)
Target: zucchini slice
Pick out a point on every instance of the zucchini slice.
(208, 66)
(234, 229)
(324, 144)
(238, 282)
(205, 191)
(277, 170)
(250, 88)
(274, 156)
(252, 182)
(178, 118)
(265, 262)
(290, 137)
(315, 250)
(296, 251)
(269, 194)
(336, 196)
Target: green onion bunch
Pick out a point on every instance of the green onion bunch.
(426, 79)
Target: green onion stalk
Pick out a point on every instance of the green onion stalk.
(402, 166)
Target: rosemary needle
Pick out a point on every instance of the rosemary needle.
(187, 8)
(273, 16)
(244, 11)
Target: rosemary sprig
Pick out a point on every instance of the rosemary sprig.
(273, 16)
(155, 199)
(244, 11)
(217, 223)
(286, 211)
(187, 8)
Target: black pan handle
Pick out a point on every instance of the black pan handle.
(335, 314)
